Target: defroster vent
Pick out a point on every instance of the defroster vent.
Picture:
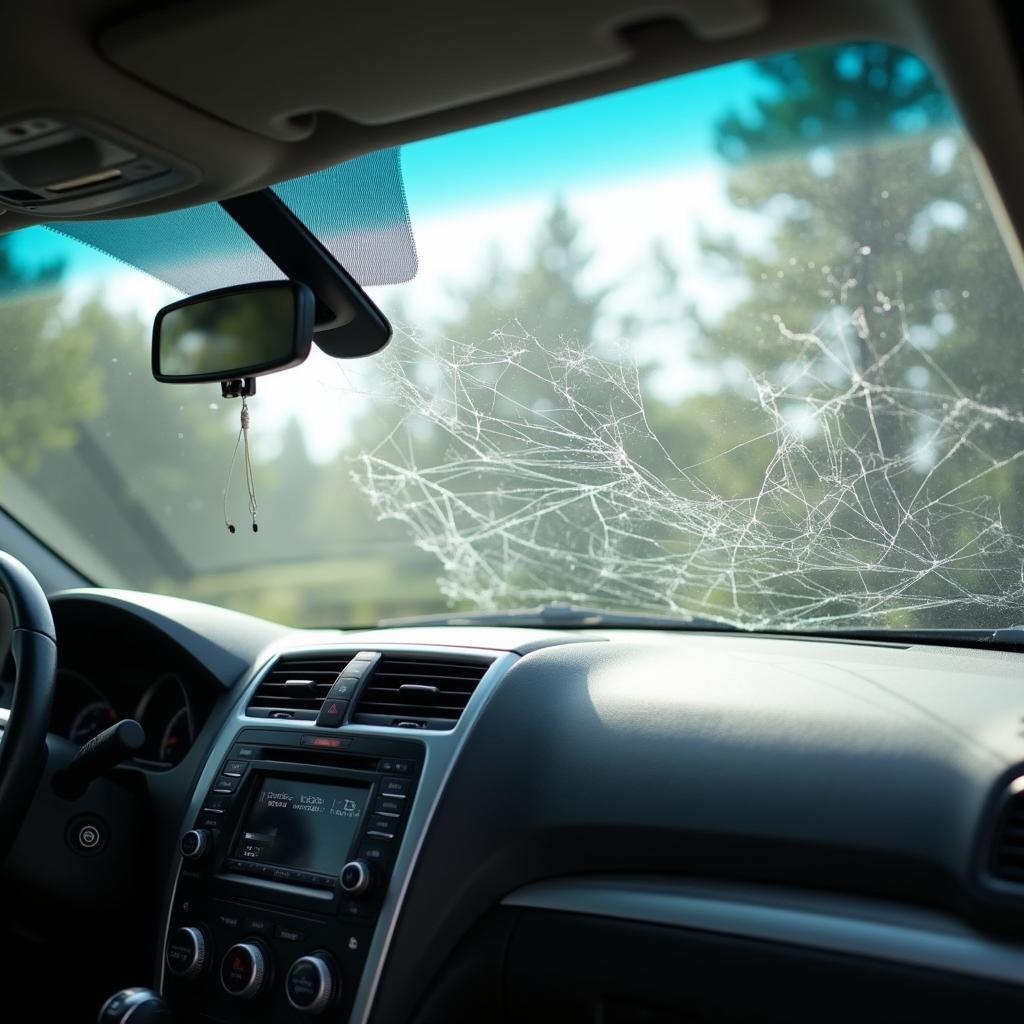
(296, 686)
(419, 692)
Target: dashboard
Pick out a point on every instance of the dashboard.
(462, 824)
(112, 668)
(84, 707)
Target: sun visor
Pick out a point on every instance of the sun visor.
(357, 209)
(274, 67)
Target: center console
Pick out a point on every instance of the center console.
(284, 873)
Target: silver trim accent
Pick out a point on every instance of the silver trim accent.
(857, 927)
(327, 984)
(202, 842)
(134, 998)
(364, 877)
(442, 750)
(259, 970)
(198, 962)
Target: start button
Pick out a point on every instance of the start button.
(87, 835)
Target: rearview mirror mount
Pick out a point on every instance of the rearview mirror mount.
(233, 335)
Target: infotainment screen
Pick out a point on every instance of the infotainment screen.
(298, 824)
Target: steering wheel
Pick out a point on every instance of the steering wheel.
(34, 647)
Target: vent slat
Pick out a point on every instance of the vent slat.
(447, 685)
(402, 688)
(283, 690)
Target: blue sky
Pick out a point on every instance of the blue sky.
(639, 132)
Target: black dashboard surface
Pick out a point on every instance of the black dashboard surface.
(845, 767)
(850, 768)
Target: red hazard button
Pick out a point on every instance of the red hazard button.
(332, 714)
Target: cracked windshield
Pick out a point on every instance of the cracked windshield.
(741, 344)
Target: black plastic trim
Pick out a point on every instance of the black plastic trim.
(349, 324)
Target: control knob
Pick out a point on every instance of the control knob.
(312, 983)
(356, 878)
(186, 954)
(245, 969)
(194, 844)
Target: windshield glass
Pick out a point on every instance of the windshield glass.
(741, 344)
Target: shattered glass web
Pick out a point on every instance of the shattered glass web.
(576, 497)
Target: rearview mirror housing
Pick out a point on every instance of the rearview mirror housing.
(248, 330)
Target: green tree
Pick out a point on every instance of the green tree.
(48, 382)
(885, 289)
(500, 359)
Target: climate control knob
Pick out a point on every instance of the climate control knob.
(356, 878)
(194, 844)
(245, 970)
(186, 953)
(312, 983)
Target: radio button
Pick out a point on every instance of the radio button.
(376, 851)
(354, 909)
(395, 787)
(356, 878)
(332, 713)
(228, 919)
(195, 843)
(257, 923)
(389, 805)
(225, 784)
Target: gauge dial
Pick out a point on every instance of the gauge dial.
(166, 714)
(90, 721)
(177, 737)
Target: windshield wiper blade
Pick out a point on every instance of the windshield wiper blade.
(564, 616)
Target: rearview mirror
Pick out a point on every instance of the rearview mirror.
(245, 331)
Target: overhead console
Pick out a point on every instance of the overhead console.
(59, 166)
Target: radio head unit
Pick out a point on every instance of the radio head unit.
(287, 864)
(301, 824)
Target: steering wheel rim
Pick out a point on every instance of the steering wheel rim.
(34, 648)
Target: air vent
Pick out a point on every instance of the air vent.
(416, 692)
(296, 686)
(1008, 849)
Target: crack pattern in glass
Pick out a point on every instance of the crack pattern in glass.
(532, 471)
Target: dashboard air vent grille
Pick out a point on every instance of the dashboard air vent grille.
(296, 686)
(415, 691)
(1008, 848)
